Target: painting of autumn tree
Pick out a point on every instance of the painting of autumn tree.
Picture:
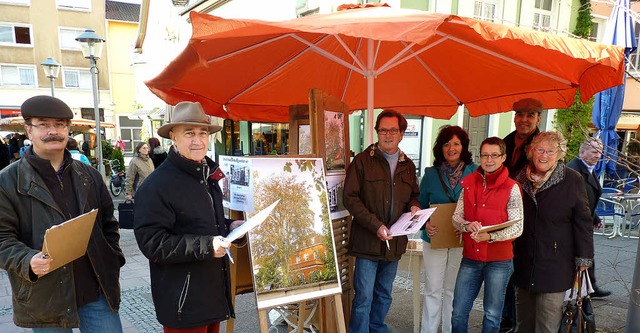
(334, 140)
(292, 251)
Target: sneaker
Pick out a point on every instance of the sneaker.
(600, 293)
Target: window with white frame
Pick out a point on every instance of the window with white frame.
(15, 34)
(76, 78)
(16, 2)
(82, 5)
(633, 62)
(485, 10)
(68, 38)
(18, 75)
(542, 15)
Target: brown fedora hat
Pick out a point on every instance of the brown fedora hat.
(188, 113)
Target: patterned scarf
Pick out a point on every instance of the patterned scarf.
(537, 180)
(453, 174)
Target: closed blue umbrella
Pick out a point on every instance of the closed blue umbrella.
(607, 104)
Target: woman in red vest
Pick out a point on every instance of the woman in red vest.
(489, 197)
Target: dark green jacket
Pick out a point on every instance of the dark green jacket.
(367, 196)
(27, 209)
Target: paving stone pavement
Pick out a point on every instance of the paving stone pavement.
(615, 259)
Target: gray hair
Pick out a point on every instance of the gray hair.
(555, 138)
(590, 142)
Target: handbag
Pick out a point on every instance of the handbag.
(578, 316)
(125, 214)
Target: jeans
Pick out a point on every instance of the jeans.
(95, 317)
(472, 273)
(373, 283)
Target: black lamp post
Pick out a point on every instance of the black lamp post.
(91, 44)
(51, 70)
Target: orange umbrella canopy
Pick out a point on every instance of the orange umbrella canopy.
(413, 61)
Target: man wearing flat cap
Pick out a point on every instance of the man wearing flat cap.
(44, 189)
(179, 224)
(526, 119)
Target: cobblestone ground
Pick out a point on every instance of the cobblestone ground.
(615, 260)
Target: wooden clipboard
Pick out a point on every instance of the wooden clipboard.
(499, 226)
(68, 241)
(446, 236)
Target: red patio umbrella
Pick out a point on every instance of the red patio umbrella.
(413, 61)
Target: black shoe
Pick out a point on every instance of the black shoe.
(600, 293)
(506, 326)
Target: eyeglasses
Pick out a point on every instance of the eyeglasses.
(44, 126)
(493, 156)
(541, 151)
(384, 131)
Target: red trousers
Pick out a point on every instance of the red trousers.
(211, 328)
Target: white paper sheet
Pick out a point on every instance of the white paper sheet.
(251, 223)
(408, 224)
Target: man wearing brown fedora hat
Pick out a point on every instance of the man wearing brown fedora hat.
(179, 224)
(44, 189)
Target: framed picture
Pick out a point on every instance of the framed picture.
(330, 130)
(300, 130)
(293, 251)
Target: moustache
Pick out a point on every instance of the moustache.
(53, 138)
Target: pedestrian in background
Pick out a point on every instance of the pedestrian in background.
(557, 236)
(441, 184)
(380, 185)
(588, 156)
(156, 152)
(179, 225)
(489, 197)
(25, 146)
(72, 147)
(140, 167)
(44, 189)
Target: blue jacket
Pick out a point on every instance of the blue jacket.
(431, 191)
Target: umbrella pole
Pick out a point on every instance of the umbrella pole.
(370, 87)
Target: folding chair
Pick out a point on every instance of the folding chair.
(609, 211)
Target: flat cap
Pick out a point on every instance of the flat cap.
(45, 107)
(528, 104)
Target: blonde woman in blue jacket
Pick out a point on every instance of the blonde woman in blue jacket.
(441, 184)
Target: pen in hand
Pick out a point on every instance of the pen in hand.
(386, 240)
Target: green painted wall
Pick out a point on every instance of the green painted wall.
(415, 4)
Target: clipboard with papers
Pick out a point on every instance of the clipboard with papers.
(446, 236)
(498, 226)
(68, 241)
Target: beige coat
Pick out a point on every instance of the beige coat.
(141, 167)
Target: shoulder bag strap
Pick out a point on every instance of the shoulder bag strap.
(444, 187)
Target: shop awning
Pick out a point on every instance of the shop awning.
(628, 122)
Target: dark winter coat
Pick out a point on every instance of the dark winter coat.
(178, 211)
(510, 142)
(594, 190)
(557, 235)
(27, 209)
(367, 196)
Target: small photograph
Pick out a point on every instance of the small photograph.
(334, 141)
(304, 140)
(335, 188)
(239, 175)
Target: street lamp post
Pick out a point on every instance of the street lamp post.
(91, 44)
(51, 70)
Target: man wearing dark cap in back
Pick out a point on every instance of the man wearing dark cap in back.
(43, 189)
(526, 119)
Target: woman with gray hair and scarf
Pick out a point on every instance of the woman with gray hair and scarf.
(557, 236)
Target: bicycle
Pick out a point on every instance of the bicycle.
(118, 178)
